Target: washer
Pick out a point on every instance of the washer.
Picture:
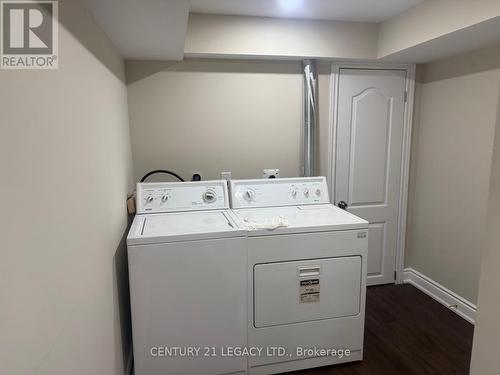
(187, 269)
(306, 277)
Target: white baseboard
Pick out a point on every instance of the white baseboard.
(130, 362)
(446, 297)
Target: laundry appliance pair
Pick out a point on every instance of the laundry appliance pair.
(275, 283)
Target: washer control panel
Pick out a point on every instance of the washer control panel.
(154, 197)
(278, 192)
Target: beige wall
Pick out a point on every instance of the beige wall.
(65, 169)
(486, 350)
(265, 37)
(455, 115)
(208, 116)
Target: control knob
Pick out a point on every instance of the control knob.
(306, 192)
(318, 192)
(149, 199)
(209, 196)
(249, 195)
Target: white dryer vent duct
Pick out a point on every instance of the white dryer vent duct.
(310, 116)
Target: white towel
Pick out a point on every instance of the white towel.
(269, 223)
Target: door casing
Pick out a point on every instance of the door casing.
(406, 147)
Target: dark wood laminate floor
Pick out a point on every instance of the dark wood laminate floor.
(408, 333)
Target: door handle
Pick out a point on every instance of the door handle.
(309, 271)
(342, 205)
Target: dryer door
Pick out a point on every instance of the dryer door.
(301, 291)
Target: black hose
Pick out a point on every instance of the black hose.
(162, 171)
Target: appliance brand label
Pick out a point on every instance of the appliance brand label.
(309, 291)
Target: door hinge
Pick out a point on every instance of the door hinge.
(395, 276)
(406, 96)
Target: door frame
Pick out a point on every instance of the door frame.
(406, 147)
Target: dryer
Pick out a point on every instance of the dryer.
(306, 274)
(187, 269)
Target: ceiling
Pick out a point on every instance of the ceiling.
(143, 29)
(342, 10)
(157, 29)
(467, 39)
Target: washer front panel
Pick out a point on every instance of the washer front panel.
(181, 196)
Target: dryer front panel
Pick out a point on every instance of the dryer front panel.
(281, 313)
(307, 290)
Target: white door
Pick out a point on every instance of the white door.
(368, 159)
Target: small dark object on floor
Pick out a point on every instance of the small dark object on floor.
(408, 333)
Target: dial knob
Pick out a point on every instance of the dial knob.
(293, 192)
(164, 198)
(306, 192)
(149, 199)
(249, 195)
(209, 196)
(318, 192)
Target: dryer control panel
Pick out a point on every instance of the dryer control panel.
(279, 192)
(155, 197)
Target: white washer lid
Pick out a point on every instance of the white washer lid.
(183, 226)
(301, 219)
